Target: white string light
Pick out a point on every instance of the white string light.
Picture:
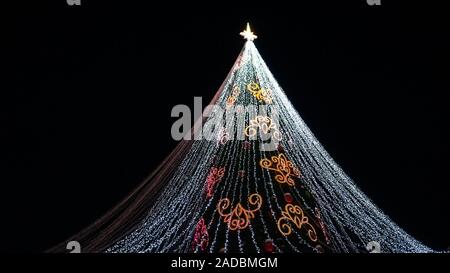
(350, 218)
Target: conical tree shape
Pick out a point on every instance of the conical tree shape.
(260, 183)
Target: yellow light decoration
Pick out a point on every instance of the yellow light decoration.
(233, 97)
(239, 217)
(261, 94)
(294, 214)
(230, 101)
(248, 34)
(284, 168)
(265, 124)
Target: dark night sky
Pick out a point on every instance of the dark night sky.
(87, 114)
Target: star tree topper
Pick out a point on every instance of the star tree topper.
(248, 34)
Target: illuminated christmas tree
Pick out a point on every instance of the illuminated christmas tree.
(257, 182)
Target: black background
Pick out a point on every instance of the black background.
(86, 115)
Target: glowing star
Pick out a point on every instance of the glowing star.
(248, 34)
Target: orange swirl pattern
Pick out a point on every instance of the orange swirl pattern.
(261, 94)
(283, 167)
(233, 97)
(265, 124)
(239, 217)
(294, 214)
